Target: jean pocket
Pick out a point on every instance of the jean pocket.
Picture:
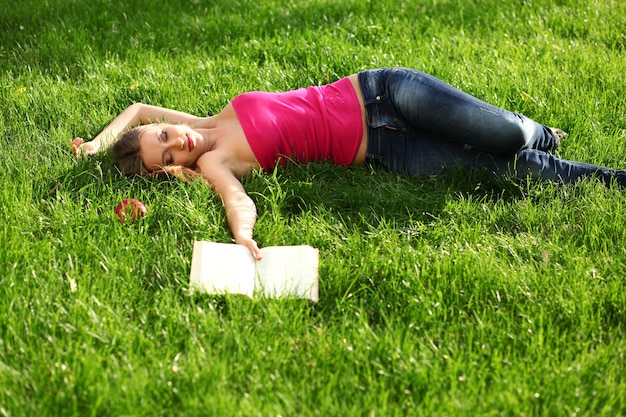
(380, 114)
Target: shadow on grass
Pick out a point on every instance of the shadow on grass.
(365, 198)
(81, 31)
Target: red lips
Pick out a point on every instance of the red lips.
(190, 143)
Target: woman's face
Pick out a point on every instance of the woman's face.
(165, 144)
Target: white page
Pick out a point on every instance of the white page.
(222, 268)
(289, 271)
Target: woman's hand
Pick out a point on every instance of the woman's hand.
(80, 147)
(252, 246)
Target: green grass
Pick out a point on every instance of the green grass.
(458, 295)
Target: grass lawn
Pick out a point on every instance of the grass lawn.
(458, 295)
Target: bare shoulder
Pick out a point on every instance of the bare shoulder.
(223, 180)
(212, 165)
(231, 148)
(212, 162)
(225, 161)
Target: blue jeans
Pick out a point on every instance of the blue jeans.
(419, 125)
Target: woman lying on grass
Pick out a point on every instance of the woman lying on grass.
(396, 118)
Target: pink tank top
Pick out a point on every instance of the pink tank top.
(309, 124)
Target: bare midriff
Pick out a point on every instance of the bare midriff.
(359, 159)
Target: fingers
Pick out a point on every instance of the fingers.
(253, 247)
(76, 144)
(82, 148)
(256, 252)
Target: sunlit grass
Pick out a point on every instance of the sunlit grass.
(459, 295)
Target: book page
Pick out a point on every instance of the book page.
(289, 271)
(222, 268)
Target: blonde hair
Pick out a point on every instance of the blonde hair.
(178, 171)
(127, 152)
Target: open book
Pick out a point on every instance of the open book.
(224, 268)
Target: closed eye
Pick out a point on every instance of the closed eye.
(168, 159)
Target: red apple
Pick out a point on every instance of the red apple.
(130, 209)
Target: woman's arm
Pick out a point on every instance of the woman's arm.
(240, 209)
(134, 115)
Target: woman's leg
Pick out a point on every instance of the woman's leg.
(429, 105)
(540, 164)
(421, 126)
(424, 155)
